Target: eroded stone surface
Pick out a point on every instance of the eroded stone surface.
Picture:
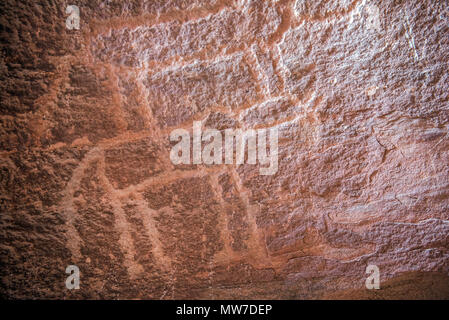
(358, 90)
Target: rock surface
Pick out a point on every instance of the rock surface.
(358, 89)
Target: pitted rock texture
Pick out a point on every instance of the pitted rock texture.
(358, 90)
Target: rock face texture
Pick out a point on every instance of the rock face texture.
(359, 91)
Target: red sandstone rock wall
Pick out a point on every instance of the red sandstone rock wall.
(358, 90)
